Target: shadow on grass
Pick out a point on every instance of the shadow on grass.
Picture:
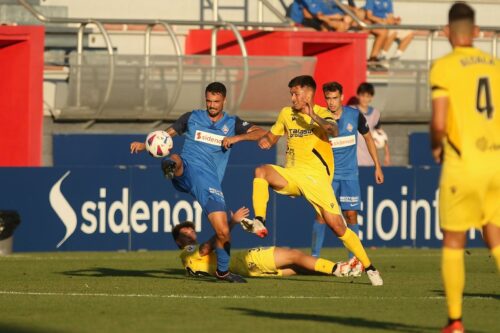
(345, 321)
(107, 272)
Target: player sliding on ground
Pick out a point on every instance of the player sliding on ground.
(200, 259)
(309, 166)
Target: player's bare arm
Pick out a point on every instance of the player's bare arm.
(254, 133)
(137, 147)
(268, 140)
(330, 127)
(370, 144)
(438, 126)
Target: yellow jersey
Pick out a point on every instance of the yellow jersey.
(470, 78)
(253, 262)
(307, 146)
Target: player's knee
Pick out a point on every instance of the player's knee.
(351, 217)
(260, 171)
(223, 235)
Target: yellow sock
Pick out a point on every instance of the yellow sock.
(453, 272)
(496, 254)
(324, 266)
(260, 196)
(352, 243)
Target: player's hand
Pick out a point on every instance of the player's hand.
(229, 141)
(264, 143)
(307, 109)
(136, 147)
(437, 153)
(379, 175)
(240, 214)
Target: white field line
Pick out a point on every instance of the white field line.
(124, 256)
(181, 296)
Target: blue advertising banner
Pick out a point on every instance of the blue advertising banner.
(131, 208)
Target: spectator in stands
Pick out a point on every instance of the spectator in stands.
(382, 12)
(322, 15)
(360, 12)
(365, 94)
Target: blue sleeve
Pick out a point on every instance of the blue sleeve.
(369, 5)
(390, 8)
(363, 127)
(313, 6)
(180, 125)
(241, 127)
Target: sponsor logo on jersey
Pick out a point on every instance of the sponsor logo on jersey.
(343, 141)
(210, 138)
(216, 192)
(299, 133)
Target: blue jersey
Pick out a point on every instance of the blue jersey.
(203, 146)
(379, 8)
(314, 7)
(344, 145)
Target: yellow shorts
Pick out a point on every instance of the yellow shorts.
(468, 199)
(258, 261)
(315, 188)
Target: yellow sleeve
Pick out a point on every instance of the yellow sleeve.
(279, 126)
(438, 80)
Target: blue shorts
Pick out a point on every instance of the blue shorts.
(203, 184)
(348, 194)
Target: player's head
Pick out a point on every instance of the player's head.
(184, 234)
(302, 89)
(461, 28)
(365, 94)
(215, 97)
(334, 96)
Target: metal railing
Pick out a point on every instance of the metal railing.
(432, 29)
(167, 24)
(216, 25)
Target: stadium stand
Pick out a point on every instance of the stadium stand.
(408, 79)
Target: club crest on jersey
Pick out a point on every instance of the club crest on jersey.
(349, 127)
(225, 129)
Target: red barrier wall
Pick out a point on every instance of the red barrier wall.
(21, 95)
(340, 56)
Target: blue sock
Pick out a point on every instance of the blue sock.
(355, 229)
(223, 259)
(318, 236)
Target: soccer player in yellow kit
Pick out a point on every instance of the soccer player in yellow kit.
(309, 165)
(465, 136)
(200, 259)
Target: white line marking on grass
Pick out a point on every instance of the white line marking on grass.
(180, 296)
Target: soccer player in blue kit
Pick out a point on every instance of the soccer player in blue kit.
(346, 176)
(200, 168)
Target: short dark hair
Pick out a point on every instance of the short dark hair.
(216, 88)
(460, 11)
(303, 81)
(366, 88)
(332, 87)
(177, 230)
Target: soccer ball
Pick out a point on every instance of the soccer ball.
(379, 137)
(159, 144)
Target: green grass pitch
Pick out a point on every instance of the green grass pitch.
(148, 292)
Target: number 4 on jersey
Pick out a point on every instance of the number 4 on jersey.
(483, 97)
